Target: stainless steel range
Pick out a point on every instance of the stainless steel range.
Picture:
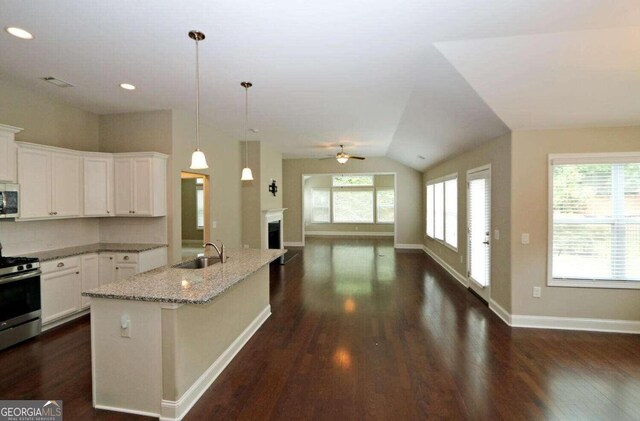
(19, 299)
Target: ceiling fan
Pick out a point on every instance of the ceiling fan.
(342, 157)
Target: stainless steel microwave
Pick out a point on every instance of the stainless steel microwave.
(9, 195)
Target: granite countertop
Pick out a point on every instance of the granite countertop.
(168, 284)
(94, 248)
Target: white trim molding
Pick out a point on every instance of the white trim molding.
(293, 244)
(457, 275)
(176, 410)
(408, 246)
(348, 234)
(65, 319)
(575, 323)
(500, 311)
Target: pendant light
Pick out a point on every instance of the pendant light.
(198, 160)
(246, 171)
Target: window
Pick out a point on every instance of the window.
(200, 203)
(352, 181)
(354, 206)
(320, 210)
(384, 206)
(430, 212)
(595, 220)
(442, 210)
(451, 212)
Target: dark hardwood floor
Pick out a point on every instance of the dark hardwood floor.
(362, 332)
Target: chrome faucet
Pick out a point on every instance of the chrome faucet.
(220, 251)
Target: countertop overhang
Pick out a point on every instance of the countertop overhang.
(169, 284)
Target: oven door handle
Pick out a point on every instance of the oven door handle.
(20, 276)
(4, 203)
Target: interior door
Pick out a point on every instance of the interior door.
(479, 230)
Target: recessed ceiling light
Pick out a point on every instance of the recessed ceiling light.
(19, 33)
(127, 86)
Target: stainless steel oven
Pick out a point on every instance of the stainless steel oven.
(19, 300)
(9, 195)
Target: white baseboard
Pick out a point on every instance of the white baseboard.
(575, 323)
(347, 234)
(176, 410)
(500, 311)
(409, 246)
(293, 244)
(457, 275)
(64, 320)
(126, 410)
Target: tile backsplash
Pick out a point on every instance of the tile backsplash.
(31, 236)
(133, 230)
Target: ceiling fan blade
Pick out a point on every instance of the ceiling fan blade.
(329, 157)
(356, 157)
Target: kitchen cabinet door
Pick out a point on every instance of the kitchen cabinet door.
(60, 296)
(98, 186)
(123, 168)
(67, 184)
(34, 176)
(125, 270)
(90, 271)
(8, 157)
(107, 268)
(142, 187)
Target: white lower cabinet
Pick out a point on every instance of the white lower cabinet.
(63, 280)
(60, 286)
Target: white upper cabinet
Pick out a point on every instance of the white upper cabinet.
(98, 185)
(50, 182)
(8, 154)
(66, 185)
(140, 184)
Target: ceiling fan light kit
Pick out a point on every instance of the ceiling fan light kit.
(198, 160)
(343, 157)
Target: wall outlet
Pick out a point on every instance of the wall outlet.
(214, 224)
(496, 234)
(524, 238)
(461, 259)
(537, 292)
(125, 326)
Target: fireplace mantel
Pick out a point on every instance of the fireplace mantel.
(272, 215)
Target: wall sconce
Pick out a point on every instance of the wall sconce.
(273, 188)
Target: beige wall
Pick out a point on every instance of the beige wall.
(325, 182)
(409, 196)
(497, 153)
(530, 215)
(266, 164)
(46, 121)
(148, 131)
(190, 229)
(223, 157)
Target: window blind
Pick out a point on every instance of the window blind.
(595, 219)
(430, 212)
(320, 209)
(451, 212)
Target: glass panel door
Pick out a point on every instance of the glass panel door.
(479, 223)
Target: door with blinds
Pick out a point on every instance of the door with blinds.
(479, 230)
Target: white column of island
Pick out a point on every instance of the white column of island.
(160, 338)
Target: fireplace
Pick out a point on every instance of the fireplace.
(274, 235)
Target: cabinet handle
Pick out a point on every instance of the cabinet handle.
(55, 213)
(60, 264)
(77, 273)
(110, 258)
(125, 258)
(108, 212)
(117, 268)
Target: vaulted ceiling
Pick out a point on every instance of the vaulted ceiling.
(394, 78)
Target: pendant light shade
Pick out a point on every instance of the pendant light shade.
(198, 160)
(247, 175)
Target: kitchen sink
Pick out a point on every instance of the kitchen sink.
(199, 263)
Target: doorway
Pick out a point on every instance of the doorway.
(479, 230)
(194, 195)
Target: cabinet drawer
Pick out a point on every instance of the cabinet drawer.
(127, 257)
(60, 265)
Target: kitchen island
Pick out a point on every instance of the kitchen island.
(160, 338)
